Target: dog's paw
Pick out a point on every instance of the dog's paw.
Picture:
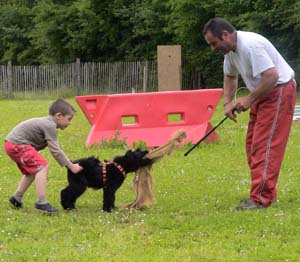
(67, 206)
(70, 209)
(108, 209)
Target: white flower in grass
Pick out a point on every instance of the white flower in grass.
(280, 214)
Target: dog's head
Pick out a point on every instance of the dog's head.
(133, 160)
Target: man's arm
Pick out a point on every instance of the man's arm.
(230, 87)
(267, 82)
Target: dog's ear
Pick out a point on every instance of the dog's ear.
(139, 151)
(143, 161)
(146, 162)
(145, 152)
(128, 152)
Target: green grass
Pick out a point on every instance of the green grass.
(193, 218)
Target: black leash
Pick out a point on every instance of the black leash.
(210, 131)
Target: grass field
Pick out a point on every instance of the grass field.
(193, 218)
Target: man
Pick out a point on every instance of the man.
(271, 100)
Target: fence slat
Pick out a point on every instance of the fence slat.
(87, 78)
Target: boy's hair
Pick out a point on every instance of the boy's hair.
(61, 106)
(216, 26)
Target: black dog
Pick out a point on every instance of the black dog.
(106, 175)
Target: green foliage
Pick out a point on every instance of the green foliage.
(139, 144)
(117, 142)
(64, 32)
(146, 23)
(50, 31)
(278, 20)
(186, 21)
(114, 142)
(15, 25)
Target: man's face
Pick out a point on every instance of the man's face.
(223, 45)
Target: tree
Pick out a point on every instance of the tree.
(63, 32)
(15, 25)
(277, 20)
(146, 23)
(186, 21)
(59, 31)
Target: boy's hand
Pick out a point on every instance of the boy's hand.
(75, 168)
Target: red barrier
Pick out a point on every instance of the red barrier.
(150, 117)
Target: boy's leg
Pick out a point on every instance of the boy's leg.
(24, 183)
(40, 185)
(32, 165)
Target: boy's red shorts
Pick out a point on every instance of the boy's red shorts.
(28, 159)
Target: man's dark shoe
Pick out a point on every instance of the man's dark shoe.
(15, 203)
(46, 208)
(248, 204)
(244, 200)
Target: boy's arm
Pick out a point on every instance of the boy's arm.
(61, 158)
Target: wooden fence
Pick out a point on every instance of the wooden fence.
(85, 78)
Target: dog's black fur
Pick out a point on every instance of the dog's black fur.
(91, 176)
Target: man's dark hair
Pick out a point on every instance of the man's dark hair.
(216, 26)
(61, 106)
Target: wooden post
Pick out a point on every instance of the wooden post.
(9, 81)
(169, 67)
(78, 76)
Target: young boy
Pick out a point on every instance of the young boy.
(26, 139)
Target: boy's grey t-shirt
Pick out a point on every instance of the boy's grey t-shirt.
(40, 133)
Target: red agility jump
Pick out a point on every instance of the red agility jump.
(150, 117)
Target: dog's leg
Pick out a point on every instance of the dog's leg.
(70, 194)
(77, 186)
(108, 199)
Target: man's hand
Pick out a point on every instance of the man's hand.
(242, 104)
(229, 110)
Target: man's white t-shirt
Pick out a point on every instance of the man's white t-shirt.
(255, 54)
